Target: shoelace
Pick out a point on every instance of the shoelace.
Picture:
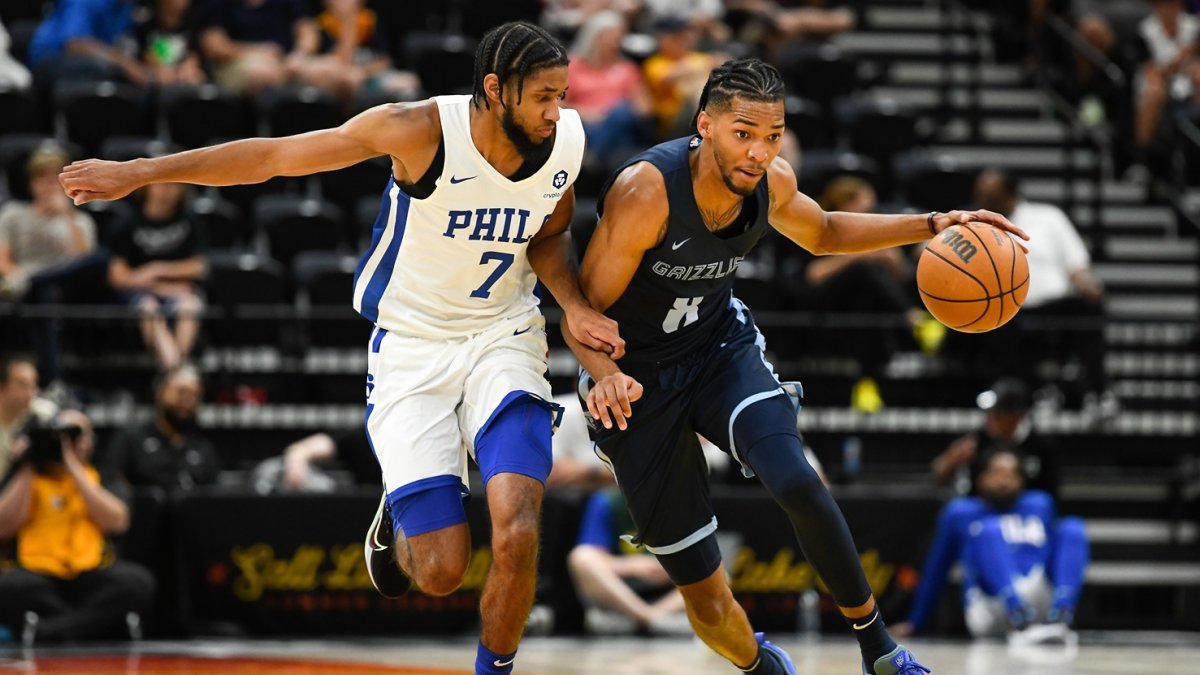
(910, 666)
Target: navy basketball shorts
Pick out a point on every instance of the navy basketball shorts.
(658, 463)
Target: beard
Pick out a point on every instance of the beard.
(727, 176)
(529, 148)
(181, 422)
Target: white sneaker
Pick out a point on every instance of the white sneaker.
(599, 621)
(1043, 634)
(675, 624)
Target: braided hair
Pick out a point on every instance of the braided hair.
(516, 49)
(748, 79)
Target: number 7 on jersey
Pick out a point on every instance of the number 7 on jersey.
(505, 260)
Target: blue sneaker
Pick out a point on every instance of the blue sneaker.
(899, 662)
(778, 653)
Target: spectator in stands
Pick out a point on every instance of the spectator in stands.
(167, 44)
(65, 585)
(1061, 286)
(45, 234)
(167, 452)
(48, 254)
(255, 44)
(1006, 427)
(864, 283)
(1023, 567)
(675, 75)
(611, 576)
(353, 53)
(13, 73)
(774, 24)
(575, 462)
(18, 403)
(156, 265)
(296, 470)
(607, 88)
(86, 40)
(1170, 70)
(567, 16)
(704, 16)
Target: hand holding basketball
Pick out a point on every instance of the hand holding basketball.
(973, 277)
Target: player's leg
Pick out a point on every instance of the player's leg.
(413, 386)
(508, 419)
(1068, 562)
(991, 563)
(745, 410)
(188, 307)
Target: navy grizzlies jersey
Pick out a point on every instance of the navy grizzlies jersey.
(679, 298)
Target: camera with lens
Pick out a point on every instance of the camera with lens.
(46, 443)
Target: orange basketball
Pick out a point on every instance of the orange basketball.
(973, 277)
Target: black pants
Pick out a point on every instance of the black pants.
(84, 279)
(92, 605)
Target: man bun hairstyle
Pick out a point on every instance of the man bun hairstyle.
(748, 79)
(515, 49)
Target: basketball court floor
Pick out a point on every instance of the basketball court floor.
(1097, 654)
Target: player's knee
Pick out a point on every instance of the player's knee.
(1072, 529)
(515, 543)
(585, 558)
(443, 577)
(189, 305)
(148, 306)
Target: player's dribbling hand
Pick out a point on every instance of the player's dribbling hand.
(611, 398)
(943, 220)
(92, 180)
(596, 331)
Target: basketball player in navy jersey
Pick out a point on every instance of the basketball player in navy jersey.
(479, 201)
(675, 222)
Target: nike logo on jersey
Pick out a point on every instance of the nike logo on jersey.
(678, 244)
(858, 627)
(523, 331)
(455, 181)
(505, 664)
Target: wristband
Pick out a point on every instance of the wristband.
(929, 222)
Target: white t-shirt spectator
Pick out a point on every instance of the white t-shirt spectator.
(1162, 48)
(1055, 251)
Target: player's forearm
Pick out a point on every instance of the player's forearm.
(597, 364)
(554, 265)
(860, 232)
(235, 163)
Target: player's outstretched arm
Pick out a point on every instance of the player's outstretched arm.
(386, 129)
(553, 260)
(800, 219)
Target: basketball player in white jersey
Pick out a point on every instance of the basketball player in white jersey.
(479, 201)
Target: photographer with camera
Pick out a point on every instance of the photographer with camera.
(66, 584)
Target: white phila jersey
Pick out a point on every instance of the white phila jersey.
(454, 264)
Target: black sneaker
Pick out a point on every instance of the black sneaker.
(380, 554)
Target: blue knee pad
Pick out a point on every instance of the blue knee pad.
(516, 439)
(427, 505)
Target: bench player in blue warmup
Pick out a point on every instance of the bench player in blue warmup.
(675, 222)
(1023, 568)
(479, 201)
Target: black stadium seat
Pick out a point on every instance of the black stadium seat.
(345, 187)
(818, 71)
(125, 148)
(199, 116)
(244, 289)
(108, 216)
(225, 228)
(95, 111)
(19, 112)
(806, 118)
(877, 128)
(818, 167)
(295, 110)
(935, 182)
(444, 62)
(326, 280)
(293, 226)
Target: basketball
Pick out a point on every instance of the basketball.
(973, 277)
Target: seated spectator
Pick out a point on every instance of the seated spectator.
(66, 585)
(773, 24)
(1061, 286)
(19, 403)
(675, 76)
(157, 262)
(13, 73)
(167, 44)
(86, 40)
(567, 16)
(255, 44)
(612, 577)
(353, 54)
(864, 283)
(1170, 70)
(575, 462)
(167, 452)
(298, 469)
(704, 16)
(1023, 567)
(1006, 427)
(48, 253)
(607, 88)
